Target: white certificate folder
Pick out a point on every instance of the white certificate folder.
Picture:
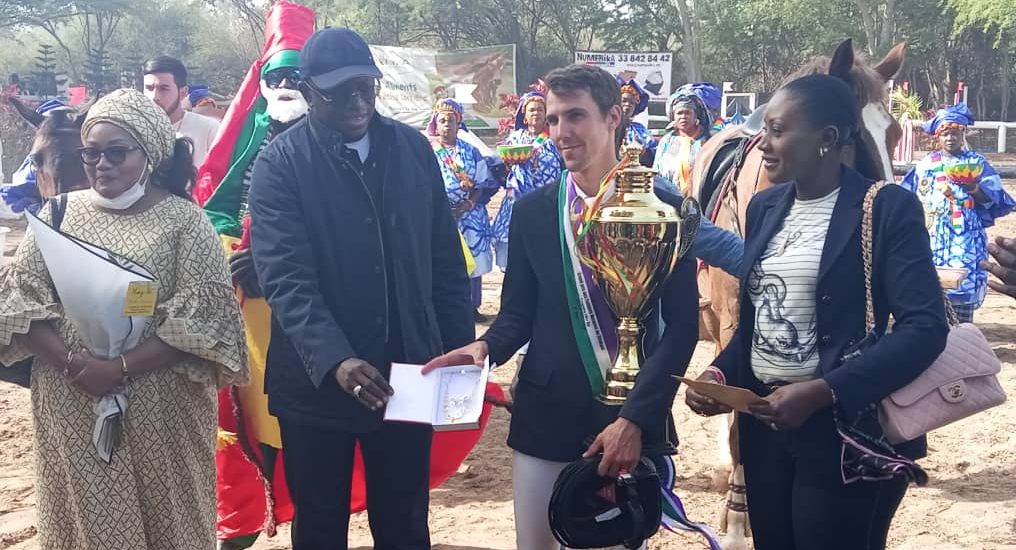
(448, 398)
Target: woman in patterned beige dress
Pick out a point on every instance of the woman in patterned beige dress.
(158, 490)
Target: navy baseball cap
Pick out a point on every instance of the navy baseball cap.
(334, 55)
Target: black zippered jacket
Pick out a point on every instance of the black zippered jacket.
(321, 244)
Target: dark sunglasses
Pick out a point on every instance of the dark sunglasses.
(366, 90)
(274, 78)
(115, 154)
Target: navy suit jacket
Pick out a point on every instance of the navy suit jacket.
(555, 412)
(905, 285)
(331, 262)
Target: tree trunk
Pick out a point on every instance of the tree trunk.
(690, 45)
(982, 107)
(870, 26)
(934, 96)
(1005, 75)
(888, 25)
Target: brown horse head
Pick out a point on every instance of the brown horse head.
(58, 166)
(872, 155)
(29, 114)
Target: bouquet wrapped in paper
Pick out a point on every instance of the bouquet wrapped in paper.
(109, 300)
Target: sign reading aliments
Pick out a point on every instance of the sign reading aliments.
(416, 78)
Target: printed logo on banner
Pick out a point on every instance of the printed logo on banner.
(650, 69)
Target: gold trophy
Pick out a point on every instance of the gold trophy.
(632, 243)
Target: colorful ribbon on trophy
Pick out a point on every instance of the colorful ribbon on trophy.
(591, 320)
(582, 218)
(674, 517)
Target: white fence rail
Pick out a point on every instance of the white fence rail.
(1001, 127)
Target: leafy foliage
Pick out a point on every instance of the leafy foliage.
(752, 43)
(906, 104)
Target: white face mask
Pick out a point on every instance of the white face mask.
(124, 200)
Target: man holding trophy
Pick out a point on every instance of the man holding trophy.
(599, 282)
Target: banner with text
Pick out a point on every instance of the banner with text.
(416, 78)
(651, 70)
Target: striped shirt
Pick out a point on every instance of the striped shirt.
(782, 289)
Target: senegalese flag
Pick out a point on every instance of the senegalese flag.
(245, 125)
(248, 503)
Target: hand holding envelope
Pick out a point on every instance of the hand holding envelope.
(738, 399)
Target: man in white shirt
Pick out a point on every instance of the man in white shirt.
(166, 85)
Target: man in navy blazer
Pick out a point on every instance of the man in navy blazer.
(555, 418)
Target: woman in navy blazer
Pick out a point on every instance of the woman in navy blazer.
(790, 447)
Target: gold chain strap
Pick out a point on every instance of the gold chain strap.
(950, 312)
(866, 240)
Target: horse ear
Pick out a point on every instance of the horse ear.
(892, 62)
(26, 112)
(843, 60)
(83, 108)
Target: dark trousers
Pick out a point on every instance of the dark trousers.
(792, 512)
(319, 466)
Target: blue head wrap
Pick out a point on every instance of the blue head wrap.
(49, 106)
(520, 112)
(641, 95)
(196, 93)
(958, 115)
(446, 105)
(683, 96)
(708, 92)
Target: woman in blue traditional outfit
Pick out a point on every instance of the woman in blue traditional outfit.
(634, 101)
(959, 204)
(541, 168)
(711, 96)
(691, 125)
(469, 185)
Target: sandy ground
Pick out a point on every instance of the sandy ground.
(970, 502)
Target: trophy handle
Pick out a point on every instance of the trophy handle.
(691, 219)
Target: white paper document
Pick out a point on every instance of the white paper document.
(448, 398)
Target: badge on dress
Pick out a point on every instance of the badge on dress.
(141, 299)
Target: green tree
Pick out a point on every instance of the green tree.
(998, 19)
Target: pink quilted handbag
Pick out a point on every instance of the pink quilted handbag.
(963, 380)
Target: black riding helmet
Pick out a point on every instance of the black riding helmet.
(589, 511)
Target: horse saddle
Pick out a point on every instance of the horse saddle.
(729, 159)
(755, 122)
